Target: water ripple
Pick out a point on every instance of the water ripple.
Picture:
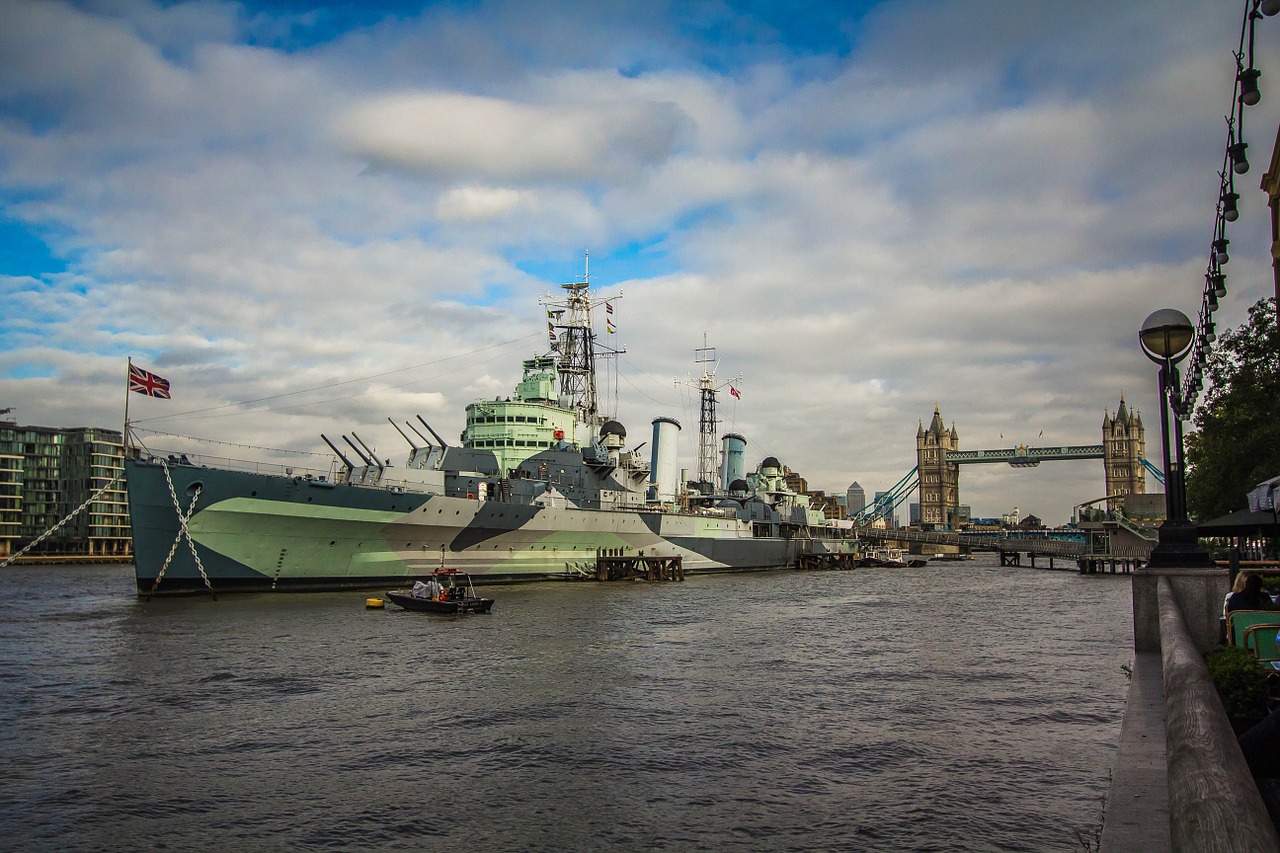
(903, 710)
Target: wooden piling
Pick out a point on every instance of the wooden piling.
(615, 567)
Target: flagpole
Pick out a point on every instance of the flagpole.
(125, 435)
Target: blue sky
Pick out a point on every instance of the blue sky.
(869, 209)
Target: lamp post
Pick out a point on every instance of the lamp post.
(1166, 337)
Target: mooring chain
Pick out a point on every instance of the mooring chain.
(183, 518)
(56, 527)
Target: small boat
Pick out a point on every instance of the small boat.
(448, 591)
(888, 557)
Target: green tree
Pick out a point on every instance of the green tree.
(1236, 443)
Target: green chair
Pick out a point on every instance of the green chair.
(1239, 621)
(1261, 640)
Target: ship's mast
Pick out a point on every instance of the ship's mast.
(705, 356)
(577, 355)
(708, 423)
(569, 324)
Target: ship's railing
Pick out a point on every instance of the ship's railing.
(332, 474)
(202, 460)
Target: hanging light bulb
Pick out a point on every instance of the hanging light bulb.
(1270, 7)
(1209, 334)
(1219, 282)
(1230, 209)
(1239, 164)
(1211, 301)
(1220, 255)
(1249, 94)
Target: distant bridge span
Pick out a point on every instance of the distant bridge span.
(1028, 457)
(936, 475)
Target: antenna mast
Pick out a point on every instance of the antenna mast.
(569, 326)
(707, 421)
(706, 355)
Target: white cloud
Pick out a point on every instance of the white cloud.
(473, 203)
(451, 134)
(975, 207)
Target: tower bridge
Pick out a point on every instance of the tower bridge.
(939, 457)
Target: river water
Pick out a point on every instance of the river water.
(960, 706)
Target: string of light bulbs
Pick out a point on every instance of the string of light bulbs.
(1245, 93)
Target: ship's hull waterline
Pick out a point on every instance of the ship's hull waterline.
(261, 532)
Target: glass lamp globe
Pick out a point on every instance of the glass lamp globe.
(1166, 334)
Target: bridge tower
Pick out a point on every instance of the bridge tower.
(1124, 444)
(939, 479)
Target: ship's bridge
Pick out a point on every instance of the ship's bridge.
(515, 430)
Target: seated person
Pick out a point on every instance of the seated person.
(1251, 597)
(1238, 586)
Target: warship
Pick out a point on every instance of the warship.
(540, 486)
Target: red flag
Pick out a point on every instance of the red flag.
(146, 382)
(734, 392)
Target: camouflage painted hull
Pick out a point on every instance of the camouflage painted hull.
(255, 532)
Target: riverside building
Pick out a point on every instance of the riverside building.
(48, 472)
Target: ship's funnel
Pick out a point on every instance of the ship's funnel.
(733, 450)
(666, 475)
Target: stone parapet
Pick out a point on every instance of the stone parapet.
(1199, 592)
(1214, 803)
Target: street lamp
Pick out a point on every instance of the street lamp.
(1166, 337)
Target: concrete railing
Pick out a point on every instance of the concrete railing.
(1214, 804)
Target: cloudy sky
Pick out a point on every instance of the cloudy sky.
(312, 219)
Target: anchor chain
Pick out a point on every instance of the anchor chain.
(56, 527)
(183, 518)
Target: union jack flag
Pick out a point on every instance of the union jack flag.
(146, 382)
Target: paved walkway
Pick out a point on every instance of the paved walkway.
(1137, 813)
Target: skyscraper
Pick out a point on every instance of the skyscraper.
(856, 498)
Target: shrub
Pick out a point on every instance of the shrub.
(1240, 680)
